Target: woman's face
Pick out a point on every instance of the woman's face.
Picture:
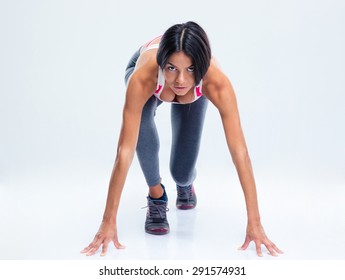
(179, 73)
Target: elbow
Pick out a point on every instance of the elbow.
(240, 157)
(124, 155)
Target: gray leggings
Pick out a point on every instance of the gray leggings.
(187, 122)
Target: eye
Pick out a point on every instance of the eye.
(171, 68)
(190, 69)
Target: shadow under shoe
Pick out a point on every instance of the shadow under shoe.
(156, 218)
(186, 198)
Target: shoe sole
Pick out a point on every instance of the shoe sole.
(158, 231)
(185, 207)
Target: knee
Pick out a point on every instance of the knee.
(182, 177)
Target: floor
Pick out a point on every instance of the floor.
(51, 219)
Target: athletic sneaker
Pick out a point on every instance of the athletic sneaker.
(156, 217)
(186, 198)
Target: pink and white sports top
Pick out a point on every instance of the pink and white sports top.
(161, 80)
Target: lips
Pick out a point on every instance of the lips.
(180, 90)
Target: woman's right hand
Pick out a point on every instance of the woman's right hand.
(107, 233)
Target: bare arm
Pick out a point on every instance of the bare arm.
(221, 94)
(139, 90)
(135, 101)
(226, 103)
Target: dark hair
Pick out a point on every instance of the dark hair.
(190, 38)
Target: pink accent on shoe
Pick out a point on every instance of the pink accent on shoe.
(185, 207)
(159, 231)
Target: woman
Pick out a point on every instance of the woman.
(177, 68)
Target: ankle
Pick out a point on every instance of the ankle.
(156, 191)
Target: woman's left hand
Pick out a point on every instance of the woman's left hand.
(257, 234)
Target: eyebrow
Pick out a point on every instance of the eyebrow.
(192, 65)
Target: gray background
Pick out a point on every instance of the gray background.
(62, 91)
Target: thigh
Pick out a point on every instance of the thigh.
(187, 123)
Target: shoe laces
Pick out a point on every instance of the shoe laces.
(184, 193)
(156, 209)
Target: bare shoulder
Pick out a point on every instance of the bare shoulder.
(146, 68)
(216, 85)
(144, 77)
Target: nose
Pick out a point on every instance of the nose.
(180, 79)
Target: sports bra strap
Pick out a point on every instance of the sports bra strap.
(150, 47)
